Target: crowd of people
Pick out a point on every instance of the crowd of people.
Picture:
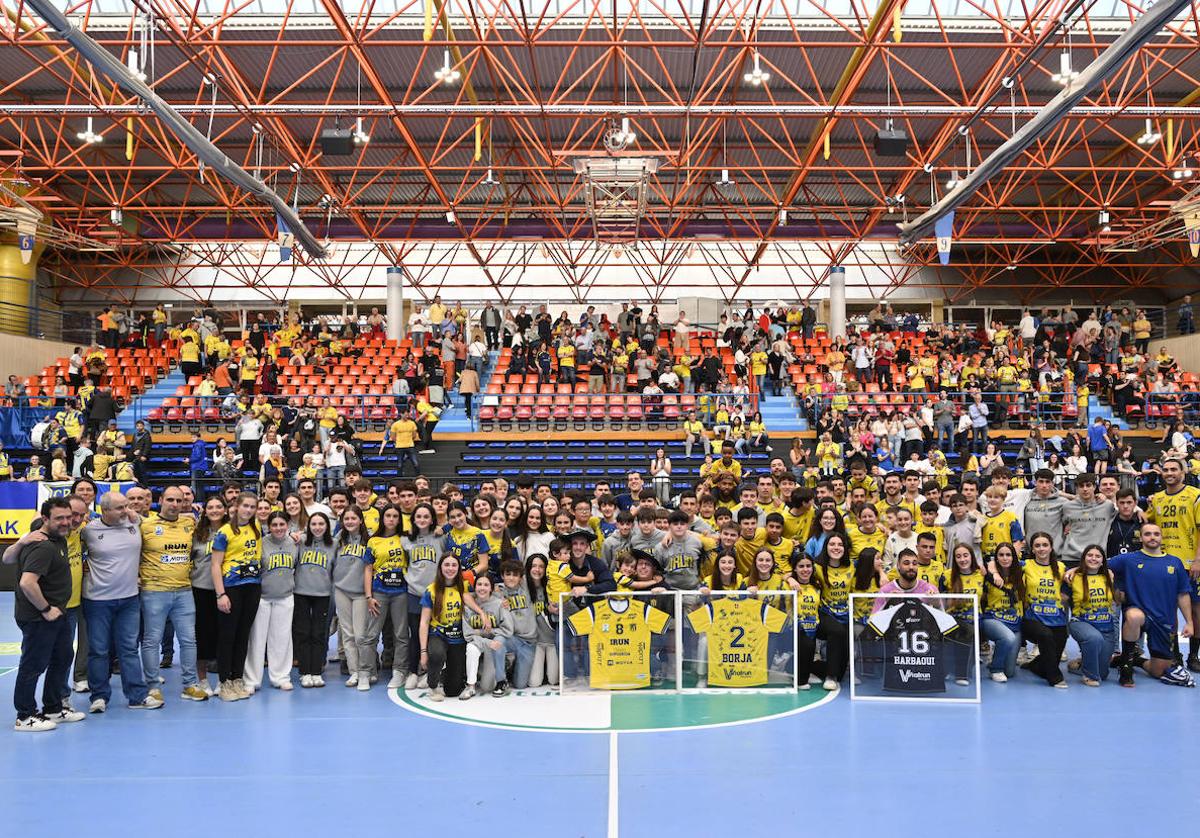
(459, 594)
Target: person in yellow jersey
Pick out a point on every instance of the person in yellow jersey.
(751, 538)
(805, 582)
(965, 577)
(726, 465)
(166, 591)
(1093, 625)
(189, 356)
(6, 472)
(1045, 613)
(724, 576)
(237, 574)
(835, 574)
(998, 525)
(403, 436)
(798, 519)
(248, 370)
(869, 577)
(619, 631)
(693, 432)
(1176, 510)
(443, 646)
(386, 590)
(866, 532)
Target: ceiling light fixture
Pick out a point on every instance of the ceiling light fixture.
(618, 252)
(361, 137)
(724, 180)
(1150, 136)
(1104, 219)
(757, 76)
(1182, 171)
(133, 62)
(447, 74)
(450, 216)
(954, 180)
(89, 136)
(490, 180)
(783, 216)
(1066, 73)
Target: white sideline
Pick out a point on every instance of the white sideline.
(613, 784)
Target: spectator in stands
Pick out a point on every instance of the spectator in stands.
(1187, 325)
(102, 412)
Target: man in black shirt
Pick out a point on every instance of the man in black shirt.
(43, 589)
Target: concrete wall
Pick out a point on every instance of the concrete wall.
(28, 356)
(1185, 349)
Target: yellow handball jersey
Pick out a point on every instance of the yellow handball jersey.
(1178, 516)
(619, 646)
(737, 628)
(166, 554)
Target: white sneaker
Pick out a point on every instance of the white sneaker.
(999, 677)
(813, 679)
(410, 683)
(98, 706)
(352, 681)
(306, 681)
(318, 680)
(830, 685)
(151, 703)
(422, 682)
(80, 686)
(806, 687)
(962, 682)
(398, 681)
(374, 679)
(67, 714)
(1061, 685)
(286, 686)
(467, 693)
(364, 684)
(33, 724)
(437, 694)
(208, 687)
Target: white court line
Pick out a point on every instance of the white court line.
(613, 787)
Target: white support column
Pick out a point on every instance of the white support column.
(395, 303)
(837, 301)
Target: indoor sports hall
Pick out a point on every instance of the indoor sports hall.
(580, 418)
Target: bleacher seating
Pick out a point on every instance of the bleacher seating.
(129, 372)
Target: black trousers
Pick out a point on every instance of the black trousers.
(233, 630)
(492, 336)
(961, 646)
(447, 665)
(310, 621)
(836, 635)
(46, 648)
(806, 648)
(1050, 640)
(206, 623)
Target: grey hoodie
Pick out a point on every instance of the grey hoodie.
(681, 561)
(423, 552)
(1045, 515)
(313, 569)
(348, 566)
(278, 567)
(502, 622)
(615, 547)
(202, 564)
(1088, 523)
(520, 609)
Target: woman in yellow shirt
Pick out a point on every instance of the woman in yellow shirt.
(248, 374)
(829, 455)
(189, 356)
(755, 436)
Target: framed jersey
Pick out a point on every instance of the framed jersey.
(618, 631)
(917, 647)
(745, 638)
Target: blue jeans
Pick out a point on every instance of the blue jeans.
(180, 607)
(523, 649)
(408, 454)
(1096, 646)
(979, 439)
(113, 627)
(333, 477)
(1004, 656)
(45, 648)
(944, 436)
(198, 475)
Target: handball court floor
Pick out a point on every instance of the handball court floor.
(1028, 760)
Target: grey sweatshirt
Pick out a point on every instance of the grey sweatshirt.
(615, 547)
(202, 564)
(502, 622)
(637, 541)
(681, 561)
(348, 566)
(520, 609)
(314, 569)
(278, 567)
(962, 532)
(1087, 524)
(1045, 515)
(423, 552)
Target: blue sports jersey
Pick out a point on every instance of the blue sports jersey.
(1153, 584)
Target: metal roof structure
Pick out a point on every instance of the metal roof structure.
(475, 185)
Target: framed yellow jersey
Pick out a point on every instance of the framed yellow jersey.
(738, 629)
(618, 631)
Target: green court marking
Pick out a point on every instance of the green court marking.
(626, 712)
(631, 711)
(4, 670)
(10, 648)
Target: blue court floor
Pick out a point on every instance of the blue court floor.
(1029, 761)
